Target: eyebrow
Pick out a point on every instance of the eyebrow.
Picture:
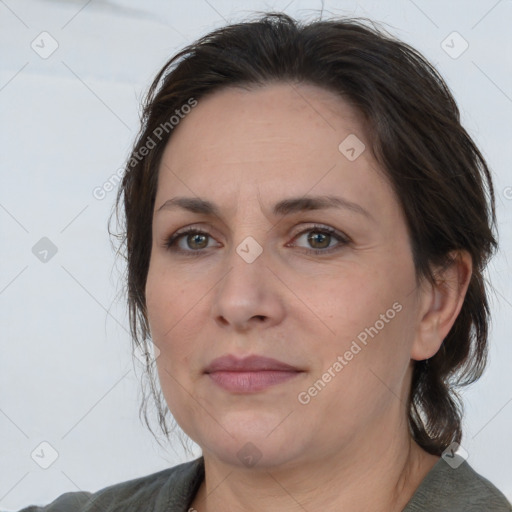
(282, 208)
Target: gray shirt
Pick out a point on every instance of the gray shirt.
(444, 489)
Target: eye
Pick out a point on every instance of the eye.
(188, 240)
(320, 238)
(191, 241)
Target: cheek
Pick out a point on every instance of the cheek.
(164, 300)
(353, 299)
(174, 320)
(155, 305)
(369, 307)
(165, 309)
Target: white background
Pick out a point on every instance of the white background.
(66, 371)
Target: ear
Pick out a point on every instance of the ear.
(440, 305)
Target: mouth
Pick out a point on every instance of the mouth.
(250, 374)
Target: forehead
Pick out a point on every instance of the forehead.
(276, 117)
(270, 140)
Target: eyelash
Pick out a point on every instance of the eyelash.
(170, 242)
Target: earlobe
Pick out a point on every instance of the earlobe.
(441, 304)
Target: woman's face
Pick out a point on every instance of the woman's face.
(264, 278)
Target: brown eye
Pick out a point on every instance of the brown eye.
(188, 241)
(319, 240)
(197, 240)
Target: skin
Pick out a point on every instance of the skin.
(245, 150)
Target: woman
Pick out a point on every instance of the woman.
(307, 225)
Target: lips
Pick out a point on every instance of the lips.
(248, 364)
(249, 374)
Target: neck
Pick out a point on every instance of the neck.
(368, 478)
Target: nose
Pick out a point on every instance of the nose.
(248, 296)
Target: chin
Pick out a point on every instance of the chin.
(254, 454)
(252, 441)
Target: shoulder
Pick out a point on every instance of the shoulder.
(174, 486)
(459, 489)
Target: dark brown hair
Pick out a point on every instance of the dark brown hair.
(438, 174)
